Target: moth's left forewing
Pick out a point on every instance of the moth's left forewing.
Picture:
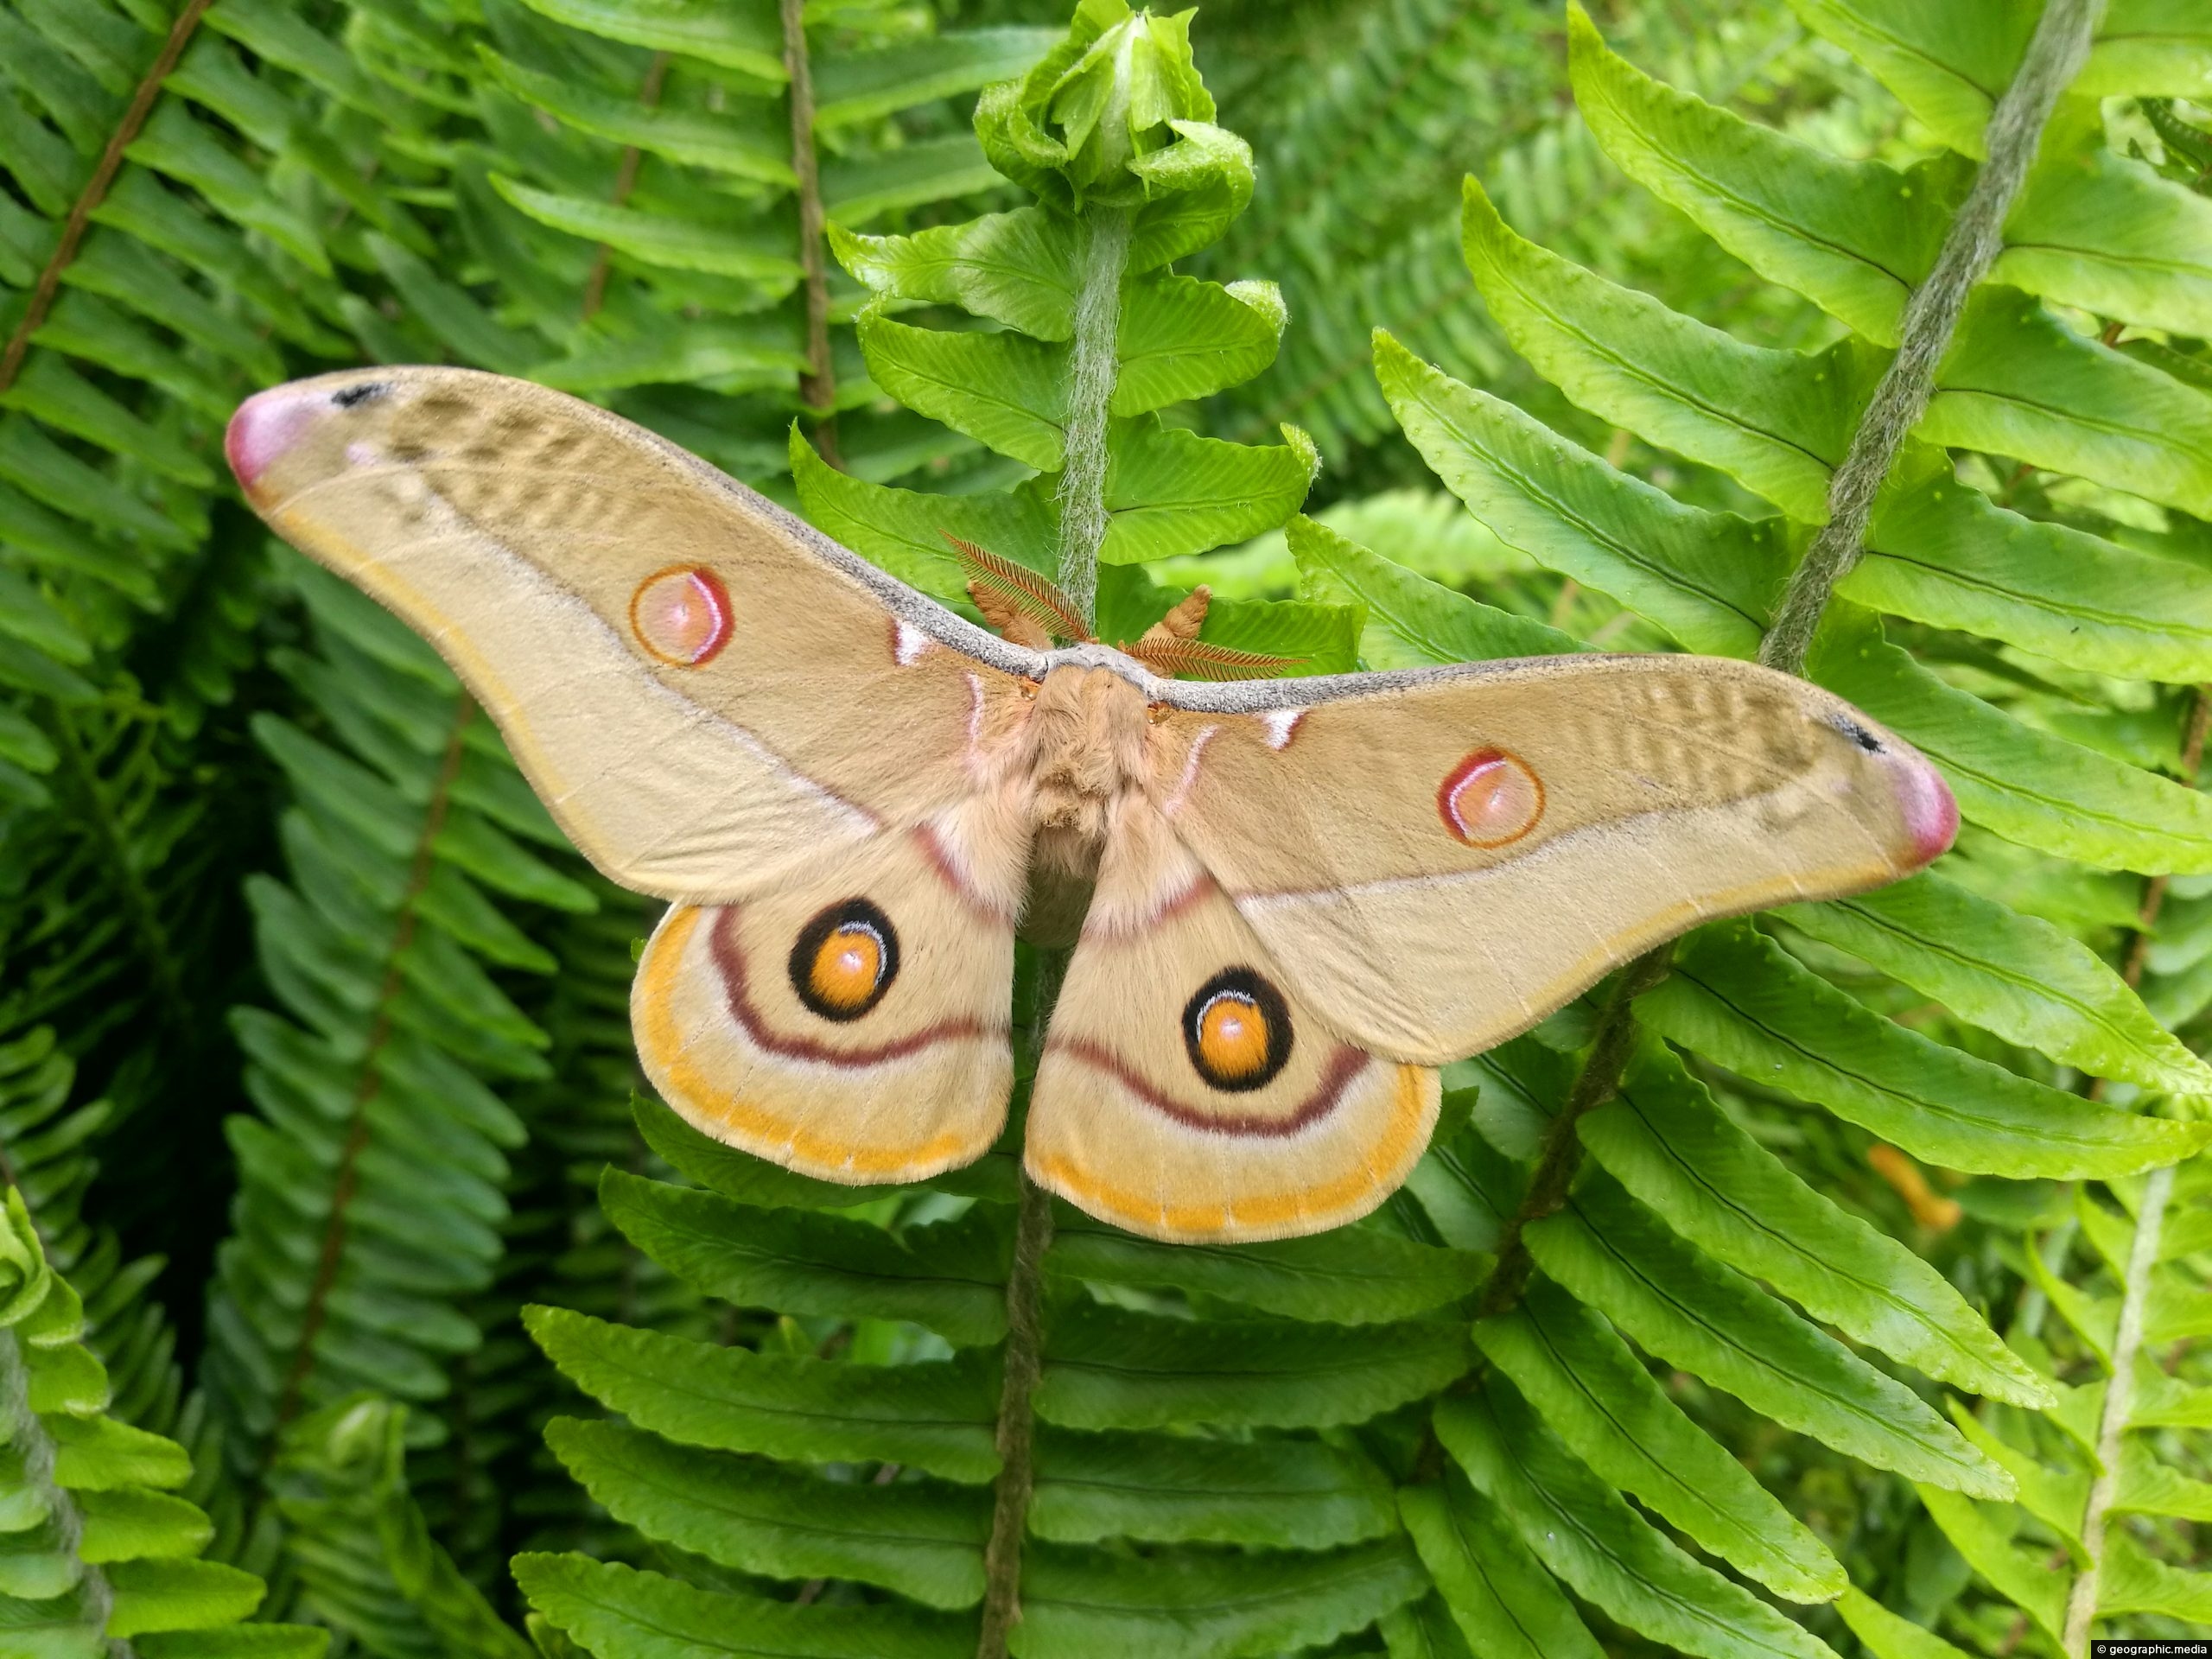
(1442, 861)
(701, 690)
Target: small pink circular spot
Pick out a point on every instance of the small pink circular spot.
(1489, 798)
(681, 615)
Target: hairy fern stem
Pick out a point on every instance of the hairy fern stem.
(1931, 317)
(1016, 1426)
(332, 1256)
(817, 386)
(2119, 1406)
(1015, 1431)
(1562, 1150)
(49, 286)
(1092, 367)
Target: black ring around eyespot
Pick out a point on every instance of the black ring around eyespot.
(860, 916)
(1256, 991)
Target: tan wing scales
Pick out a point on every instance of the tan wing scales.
(693, 681)
(1440, 863)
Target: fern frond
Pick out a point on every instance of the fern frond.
(491, 1486)
(49, 1134)
(120, 297)
(2098, 1477)
(1113, 1380)
(365, 1559)
(371, 1201)
(161, 250)
(1779, 423)
(1097, 338)
(890, 1287)
(100, 1549)
(646, 171)
(1369, 148)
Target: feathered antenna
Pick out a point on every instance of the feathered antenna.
(1018, 591)
(1197, 659)
(1171, 646)
(1022, 606)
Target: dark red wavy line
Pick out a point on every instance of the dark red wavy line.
(1345, 1064)
(730, 961)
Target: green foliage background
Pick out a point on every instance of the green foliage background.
(351, 1301)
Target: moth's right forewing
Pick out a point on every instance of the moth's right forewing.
(1439, 862)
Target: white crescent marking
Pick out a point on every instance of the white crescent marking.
(1190, 770)
(1280, 723)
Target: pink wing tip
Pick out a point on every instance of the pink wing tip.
(1931, 814)
(262, 429)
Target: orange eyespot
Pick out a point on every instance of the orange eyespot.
(1489, 798)
(681, 615)
(1237, 1031)
(844, 960)
(847, 966)
(1233, 1036)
